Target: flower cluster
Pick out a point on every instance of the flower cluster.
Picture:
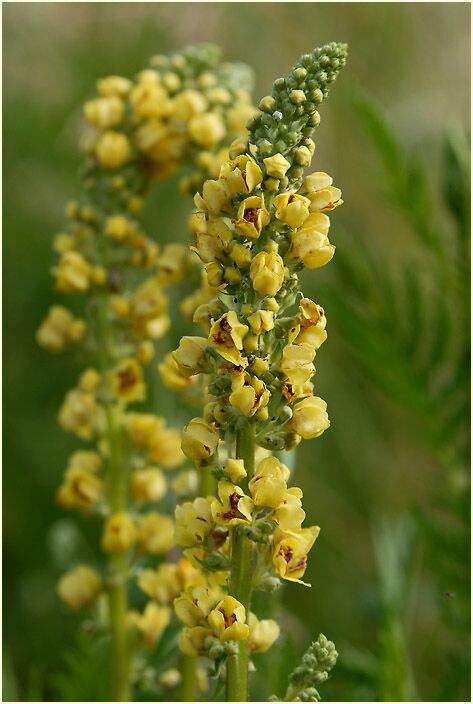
(257, 225)
(182, 112)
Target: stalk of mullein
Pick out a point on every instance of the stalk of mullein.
(180, 113)
(256, 227)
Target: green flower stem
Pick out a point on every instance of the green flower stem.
(207, 481)
(118, 592)
(188, 668)
(234, 688)
(118, 495)
(240, 576)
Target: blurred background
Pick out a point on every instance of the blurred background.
(388, 483)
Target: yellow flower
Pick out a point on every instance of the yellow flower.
(118, 228)
(312, 322)
(89, 380)
(321, 193)
(195, 604)
(194, 522)
(215, 276)
(302, 156)
(166, 582)
(156, 533)
(249, 394)
(276, 165)
(185, 483)
(207, 129)
(164, 447)
(151, 623)
(114, 85)
(289, 514)
(190, 355)
(272, 466)
(212, 239)
(191, 640)
(145, 352)
(199, 440)
(148, 99)
(81, 489)
(163, 144)
(268, 486)
(104, 113)
(79, 587)
(252, 217)
(292, 208)
(73, 273)
(234, 470)
(119, 533)
(148, 484)
(215, 198)
(296, 364)
(60, 329)
(234, 507)
(261, 321)
(228, 620)
(241, 254)
(87, 460)
(239, 114)
(238, 147)
(267, 273)
(290, 550)
(63, 242)
(310, 243)
(226, 335)
(113, 150)
(310, 417)
(241, 175)
(172, 264)
(127, 381)
(188, 103)
(262, 634)
(79, 414)
(148, 310)
(260, 366)
(171, 374)
(141, 427)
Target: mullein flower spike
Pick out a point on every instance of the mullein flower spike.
(182, 111)
(257, 224)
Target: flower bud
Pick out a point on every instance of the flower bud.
(119, 533)
(79, 587)
(190, 354)
(199, 440)
(113, 150)
(267, 273)
(276, 166)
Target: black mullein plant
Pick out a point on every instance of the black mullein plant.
(256, 227)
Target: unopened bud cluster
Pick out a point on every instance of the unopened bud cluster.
(314, 669)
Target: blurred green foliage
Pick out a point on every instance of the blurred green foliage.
(388, 483)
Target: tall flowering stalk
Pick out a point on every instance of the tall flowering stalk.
(181, 112)
(256, 227)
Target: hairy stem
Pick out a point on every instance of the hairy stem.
(188, 668)
(240, 576)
